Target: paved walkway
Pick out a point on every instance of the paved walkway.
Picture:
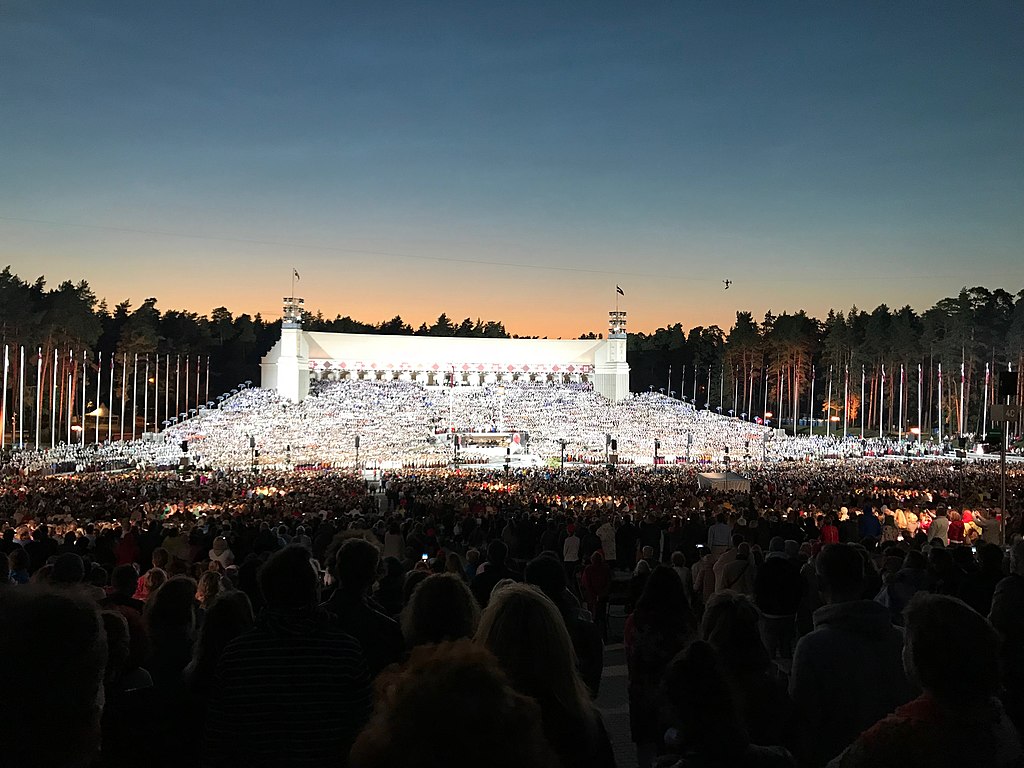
(613, 700)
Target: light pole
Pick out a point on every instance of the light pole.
(357, 453)
(562, 443)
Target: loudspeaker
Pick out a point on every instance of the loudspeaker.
(1007, 384)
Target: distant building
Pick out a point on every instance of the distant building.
(301, 356)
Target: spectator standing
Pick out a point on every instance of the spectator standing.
(708, 726)
(918, 734)
(778, 590)
(660, 626)
(520, 618)
(354, 564)
(1007, 616)
(853, 656)
(260, 714)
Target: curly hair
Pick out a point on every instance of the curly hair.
(451, 706)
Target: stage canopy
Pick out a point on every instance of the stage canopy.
(723, 481)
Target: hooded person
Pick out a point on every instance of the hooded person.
(853, 656)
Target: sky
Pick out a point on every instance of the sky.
(515, 161)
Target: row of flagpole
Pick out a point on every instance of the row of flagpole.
(15, 415)
(960, 413)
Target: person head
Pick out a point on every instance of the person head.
(161, 557)
(452, 705)
(211, 583)
(548, 575)
(990, 557)
(928, 617)
(57, 640)
(441, 608)
(664, 594)
(68, 569)
(171, 609)
(289, 581)
(115, 627)
(18, 560)
(227, 617)
(124, 580)
(518, 620)
(453, 564)
(704, 709)
(412, 580)
(354, 564)
(840, 569)
(731, 624)
(597, 558)
(497, 553)
(1016, 558)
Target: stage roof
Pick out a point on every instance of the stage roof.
(357, 350)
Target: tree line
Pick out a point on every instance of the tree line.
(865, 366)
(852, 366)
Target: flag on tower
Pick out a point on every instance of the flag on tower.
(619, 291)
(296, 273)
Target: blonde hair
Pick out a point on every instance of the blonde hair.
(526, 631)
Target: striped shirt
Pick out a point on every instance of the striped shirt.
(294, 691)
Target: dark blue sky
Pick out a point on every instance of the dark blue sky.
(817, 154)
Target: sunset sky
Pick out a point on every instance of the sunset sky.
(515, 161)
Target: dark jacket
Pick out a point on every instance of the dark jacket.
(778, 587)
(847, 675)
(379, 635)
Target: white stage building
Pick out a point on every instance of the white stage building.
(301, 356)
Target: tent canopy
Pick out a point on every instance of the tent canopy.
(723, 481)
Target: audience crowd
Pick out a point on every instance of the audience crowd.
(849, 612)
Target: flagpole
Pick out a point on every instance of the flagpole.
(920, 380)
(167, 387)
(39, 394)
(3, 406)
(207, 398)
(901, 405)
(99, 394)
(135, 394)
(85, 366)
(156, 394)
(177, 385)
(735, 391)
(811, 406)
(984, 407)
(846, 398)
(862, 401)
(21, 401)
(940, 407)
(963, 374)
(110, 401)
(71, 360)
(828, 410)
(721, 387)
(187, 380)
(669, 390)
(124, 390)
(881, 403)
(145, 397)
(53, 404)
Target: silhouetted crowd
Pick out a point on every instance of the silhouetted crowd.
(862, 616)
